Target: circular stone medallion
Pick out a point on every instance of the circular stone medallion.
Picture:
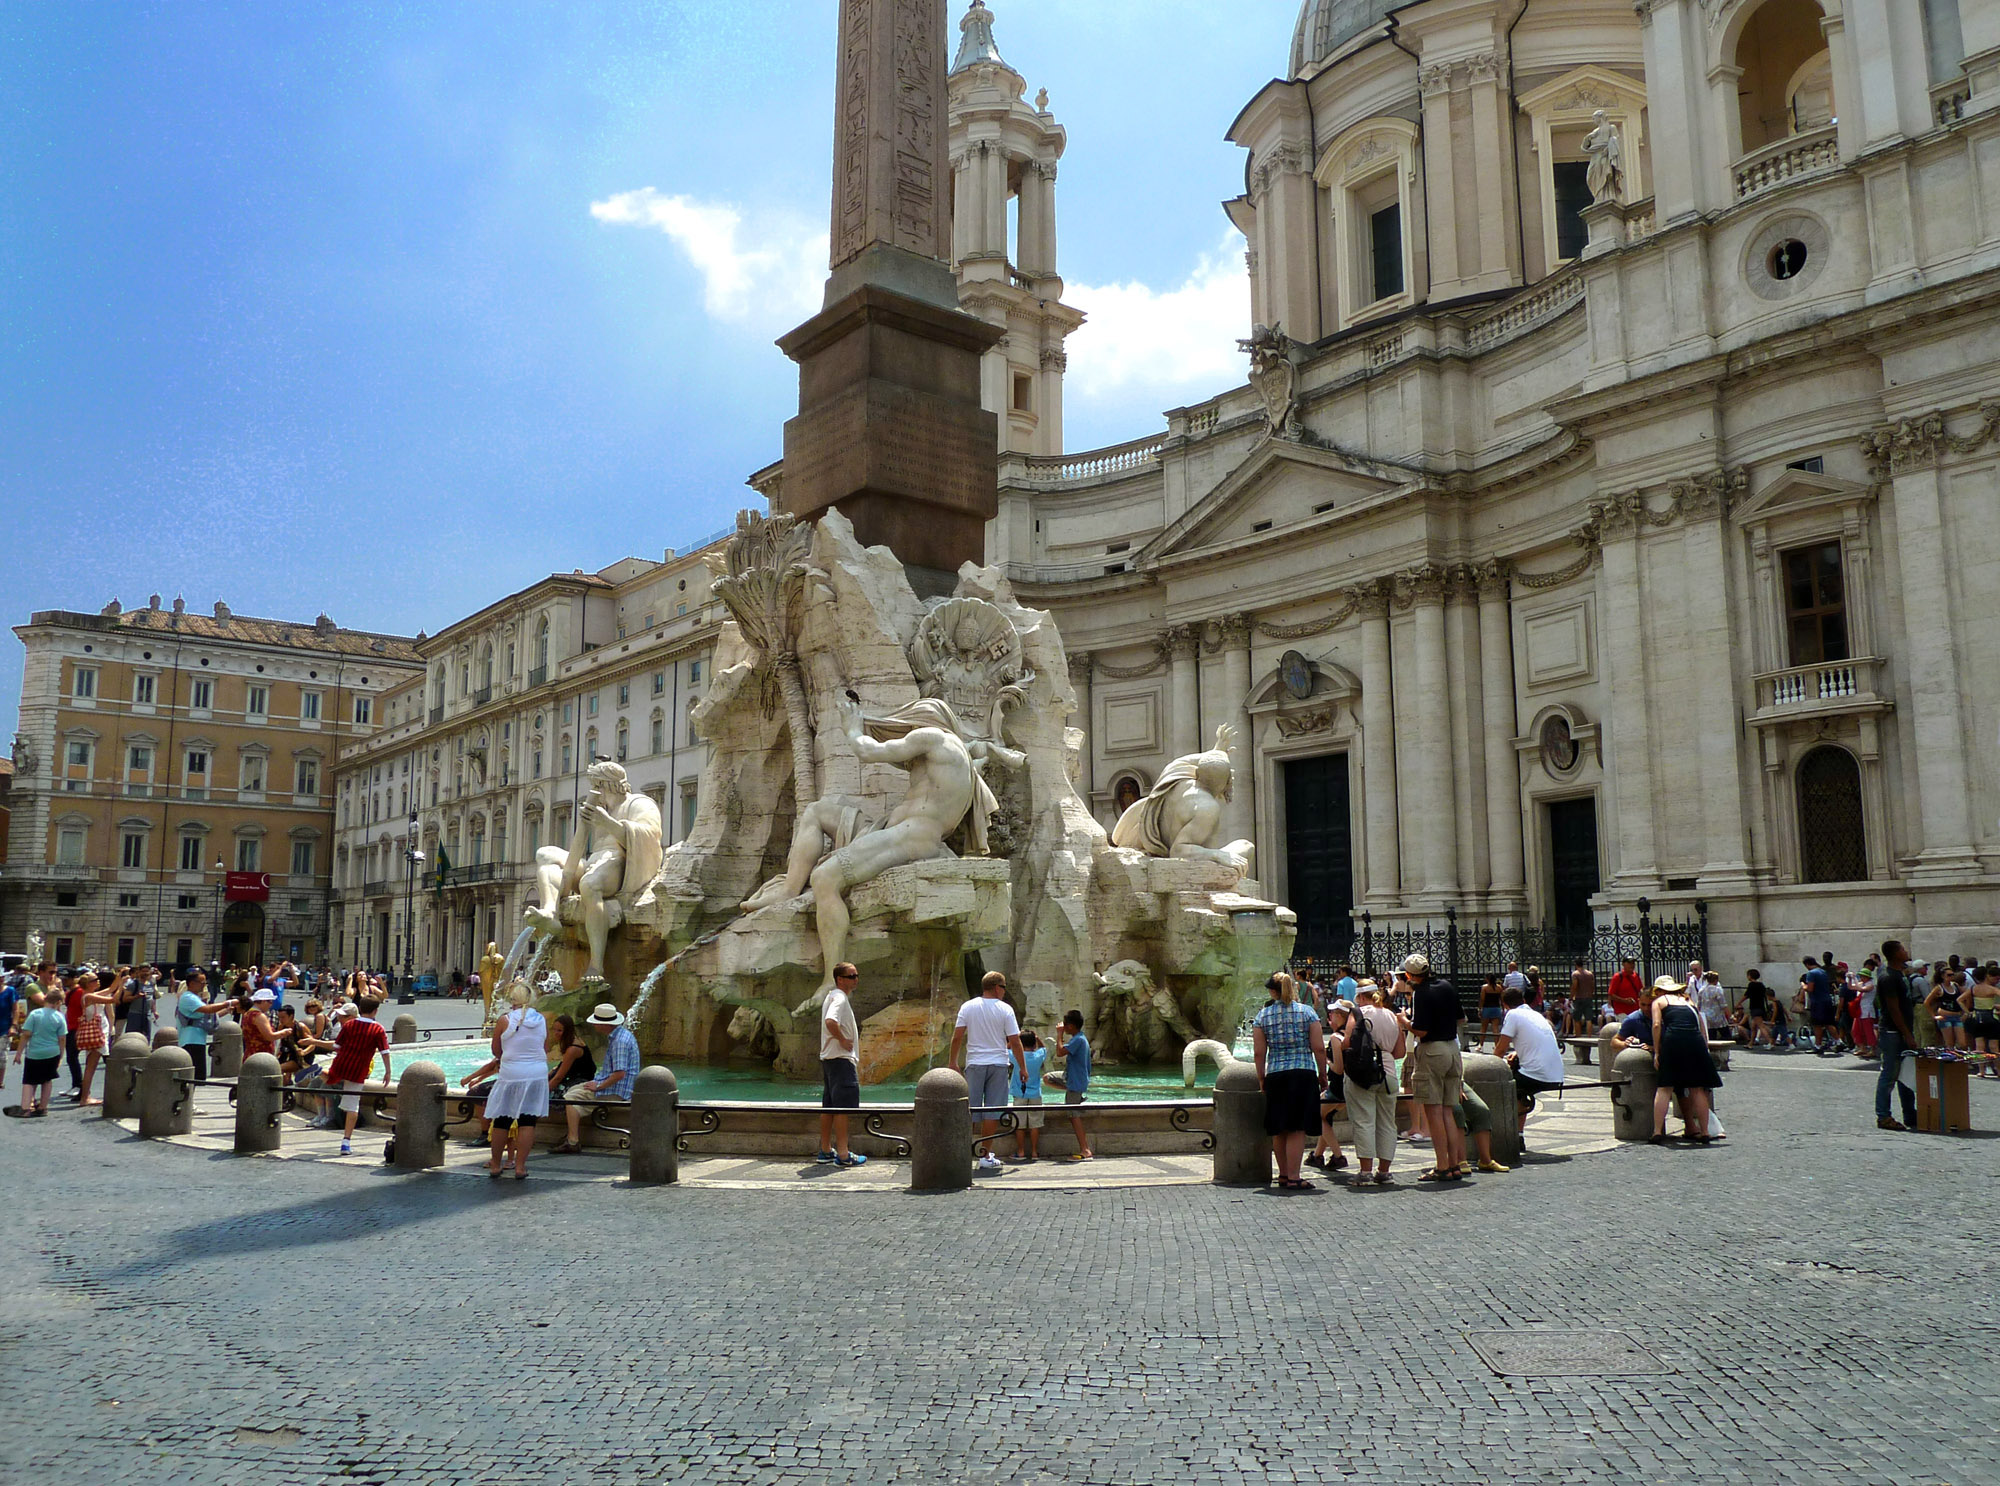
(1295, 674)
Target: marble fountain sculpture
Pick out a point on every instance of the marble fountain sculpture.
(890, 782)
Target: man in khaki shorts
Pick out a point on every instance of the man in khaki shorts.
(1440, 1067)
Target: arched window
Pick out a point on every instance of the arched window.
(1784, 83)
(1833, 845)
(486, 666)
(542, 642)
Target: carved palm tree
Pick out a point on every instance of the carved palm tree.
(760, 576)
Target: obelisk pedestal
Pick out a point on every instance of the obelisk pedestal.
(890, 427)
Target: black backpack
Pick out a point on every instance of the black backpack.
(1359, 1055)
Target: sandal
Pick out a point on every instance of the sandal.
(569, 1148)
(1432, 1175)
(1381, 1178)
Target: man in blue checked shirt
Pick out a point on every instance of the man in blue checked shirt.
(615, 1075)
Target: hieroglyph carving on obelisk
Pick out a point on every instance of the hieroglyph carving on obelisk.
(891, 178)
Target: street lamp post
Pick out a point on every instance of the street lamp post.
(416, 860)
(215, 930)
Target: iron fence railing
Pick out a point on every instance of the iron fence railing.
(1467, 954)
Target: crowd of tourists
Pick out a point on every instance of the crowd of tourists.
(1359, 1046)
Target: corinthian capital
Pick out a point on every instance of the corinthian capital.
(1184, 641)
(1232, 632)
(1493, 578)
(1372, 598)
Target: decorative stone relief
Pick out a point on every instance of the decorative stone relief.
(1305, 724)
(1913, 443)
(1274, 375)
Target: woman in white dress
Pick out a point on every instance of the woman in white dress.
(519, 1095)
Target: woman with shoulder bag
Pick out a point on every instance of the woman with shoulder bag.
(1366, 1064)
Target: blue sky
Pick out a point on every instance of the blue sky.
(306, 307)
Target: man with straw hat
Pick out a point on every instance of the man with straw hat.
(619, 1067)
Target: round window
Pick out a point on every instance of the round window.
(1788, 259)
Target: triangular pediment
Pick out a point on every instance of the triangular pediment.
(1797, 491)
(1280, 486)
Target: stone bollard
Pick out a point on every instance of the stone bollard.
(420, 1117)
(1492, 1080)
(121, 1076)
(166, 1037)
(225, 1049)
(1719, 1048)
(941, 1133)
(1632, 1100)
(166, 1105)
(259, 1101)
(1607, 1051)
(403, 1029)
(656, 1127)
(1242, 1149)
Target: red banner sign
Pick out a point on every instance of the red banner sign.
(247, 887)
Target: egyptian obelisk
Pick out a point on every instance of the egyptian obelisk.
(889, 427)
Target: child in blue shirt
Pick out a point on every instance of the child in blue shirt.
(1075, 1055)
(1026, 1096)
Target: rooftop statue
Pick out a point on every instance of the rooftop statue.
(1182, 817)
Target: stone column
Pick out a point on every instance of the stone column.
(1441, 205)
(964, 188)
(656, 1128)
(941, 1133)
(1937, 725)
(1437, 856)
(1085, 719)
(225, 1048)
(1507, 886)
(1703, 505)
(1045, 188)
(259, 1102)
(1493, 1081)
(1466, 711)
(1239, 817)
(1621, 600)
(1184, 690)
(1034, 203)
(121, 1075)
(1378, 749)
(1492, 160)
(166, 1101)
(420, 1117)
(1242, 1149)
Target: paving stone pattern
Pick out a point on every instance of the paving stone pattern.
(1819, 1291)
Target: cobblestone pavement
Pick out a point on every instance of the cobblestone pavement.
(1817, 1293)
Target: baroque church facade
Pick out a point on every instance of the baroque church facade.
(1566, 548)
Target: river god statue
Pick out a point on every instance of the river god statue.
(610, 861)
(1182, 817)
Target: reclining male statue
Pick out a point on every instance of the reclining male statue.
(924, 738)
(1183, 815)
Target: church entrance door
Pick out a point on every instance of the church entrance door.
(1319, 855)
(1573, 869)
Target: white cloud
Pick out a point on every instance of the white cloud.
(765, 271)
(1174, 344)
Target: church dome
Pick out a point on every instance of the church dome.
(1327, 25)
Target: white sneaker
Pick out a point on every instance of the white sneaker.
(989, 1162)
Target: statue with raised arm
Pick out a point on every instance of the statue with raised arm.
(1182, 817)
(924, 739)
(612, 858)
(1606, 172)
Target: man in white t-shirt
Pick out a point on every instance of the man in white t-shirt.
(839, 1067)
(1530, 1044)
(991, 1037)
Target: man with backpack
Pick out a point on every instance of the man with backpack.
(1365, 1063)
